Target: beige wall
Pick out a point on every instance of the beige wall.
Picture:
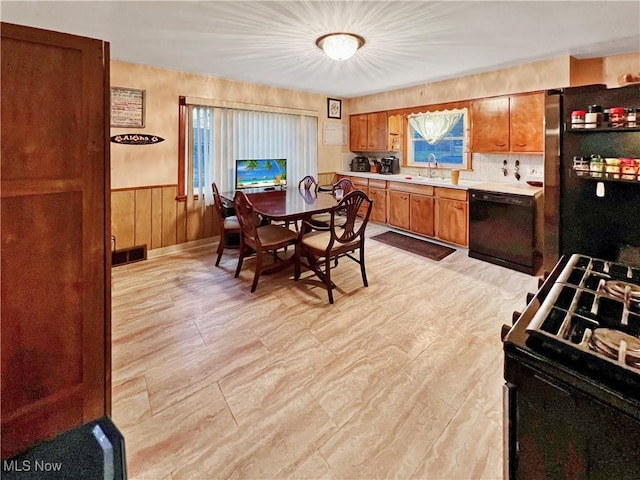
(529, 77)
(523, 78)
(138, 165)
(618, 65)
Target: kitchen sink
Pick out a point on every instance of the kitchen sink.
(428, 181)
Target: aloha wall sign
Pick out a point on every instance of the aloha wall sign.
(136, 139)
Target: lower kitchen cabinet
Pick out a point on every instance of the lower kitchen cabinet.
(451, 215)
(422, 214)
(399, 209)
(436, 212)
(378, 193)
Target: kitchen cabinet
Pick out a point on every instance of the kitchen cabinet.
(399, 209)
(378, 194)
(411, 207)
(369, 132)
(526, 114)
(395, 133)
(361, 184)
(490, 125)
(508, 124)
(422, 214)
(451, 215)
(55, 235)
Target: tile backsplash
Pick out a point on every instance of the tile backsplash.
(487, 167)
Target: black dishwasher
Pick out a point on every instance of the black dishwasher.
(502, 230)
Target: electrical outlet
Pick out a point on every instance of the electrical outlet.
(535, 172)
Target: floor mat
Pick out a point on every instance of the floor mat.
(424, 248)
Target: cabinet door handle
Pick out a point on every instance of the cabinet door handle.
(501, 144)
(522, 144)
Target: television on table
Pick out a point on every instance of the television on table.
(261, 173)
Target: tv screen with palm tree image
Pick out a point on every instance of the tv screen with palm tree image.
(261, 173)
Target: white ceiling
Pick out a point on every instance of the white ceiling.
(407, 42)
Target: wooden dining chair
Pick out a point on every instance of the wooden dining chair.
(320, 247)
(321, 220)
(259, 238)
(226, 225)
(308, 183)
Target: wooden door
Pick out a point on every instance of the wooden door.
(54, 234)
(398, 209)
(378, 131)
(422, 214)
(379, 211)
(451, 219)
(526, 123)
(490, 125)
(358, 132)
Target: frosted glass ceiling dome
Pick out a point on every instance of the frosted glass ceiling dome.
(340, 46)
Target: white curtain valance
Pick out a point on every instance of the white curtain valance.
(434, 126)
(213, 102)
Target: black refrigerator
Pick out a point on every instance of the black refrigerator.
(577, 219)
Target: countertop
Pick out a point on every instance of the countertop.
(514, 189)
(499, 187)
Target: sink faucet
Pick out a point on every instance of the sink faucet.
(431, 158)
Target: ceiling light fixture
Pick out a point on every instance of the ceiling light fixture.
(340, 46)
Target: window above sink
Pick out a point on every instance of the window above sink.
(438, 137)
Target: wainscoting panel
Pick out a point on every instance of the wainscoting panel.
(327, 178)
(143, 225)
(156, 218)
(123, 217)
(169, 216)
(151, 216)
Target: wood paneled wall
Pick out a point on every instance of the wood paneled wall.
(326, 178)
(151, 216)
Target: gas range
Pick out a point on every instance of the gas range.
(590, 320)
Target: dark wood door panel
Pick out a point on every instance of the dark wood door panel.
(43, 149)
(41, 347)
(54, 238)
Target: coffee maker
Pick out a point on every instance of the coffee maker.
(360, 164)
(390, 166)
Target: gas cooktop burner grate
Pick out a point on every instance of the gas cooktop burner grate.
(593, 310)
(617, 345)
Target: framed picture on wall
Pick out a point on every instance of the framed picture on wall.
(334, 108)
(127, 107)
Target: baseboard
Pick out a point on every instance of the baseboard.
(181, 247)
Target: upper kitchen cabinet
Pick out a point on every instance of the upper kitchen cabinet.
(526, 120)
(369, 132)
(508, 124)
(395, 133)
(490, 125)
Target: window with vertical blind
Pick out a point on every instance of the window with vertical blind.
(218, 136)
